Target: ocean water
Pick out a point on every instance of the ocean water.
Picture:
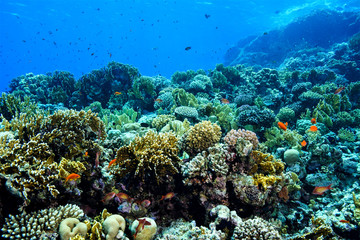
(182, 119)
(44, 36)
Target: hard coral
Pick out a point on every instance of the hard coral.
(40, 224)
(154, 154)
(232, 137)
(200, 137)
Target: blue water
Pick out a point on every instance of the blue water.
(79, 36)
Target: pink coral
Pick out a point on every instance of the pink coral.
(232, 137)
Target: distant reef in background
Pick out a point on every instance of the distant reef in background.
(319, 30)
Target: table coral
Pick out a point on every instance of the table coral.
(200, 136)
(154, 154)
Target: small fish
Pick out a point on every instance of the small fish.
(265, 33)
(225, 101)
(123, 196)
(187, 48)
(313, 128)
(145, 203)
(86, 154)
(158, 100)
(110, 55)
(92, 54)
(144, 124)
(108, 197)
(344, 221)
(282, 125)
(321, 190)
(140, 226)
(112, 162)
(207, 16)
(72, 177)
(117, 93)
(339, 90)
(168, 196)
(303, 143)
(313, 120)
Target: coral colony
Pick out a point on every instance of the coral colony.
(236, 152)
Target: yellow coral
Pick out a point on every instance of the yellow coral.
(153, 153)
(266, 163)
(67, 166)
(201, 136)
(265, 181)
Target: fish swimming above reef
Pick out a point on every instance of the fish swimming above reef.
(282, 125)
(72, 177)
(168, 196)
(321, 190)
(313, 128)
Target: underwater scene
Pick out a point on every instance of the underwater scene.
(176, 120)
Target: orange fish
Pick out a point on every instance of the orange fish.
(108, 197)
(158, 100)
(141, 225)
(282, 125)
(72, 177)
(313, 128)
(167, 196)
(145, 203)
(123, 196)
(313, 120)
(112, 162)
(86, 154)
(303, 143)
(321, 190)
(344, 221)
(117, 93)
(337, 91)
(225, 101)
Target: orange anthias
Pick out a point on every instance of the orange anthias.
(72, 177)
(339, 90)
(117, 93)
(321, 190)
(313, 120)
(123, 196)
(282, 125)
(303, 143)
(225, 101)
(112, 162)
(158, 100)
(313, 128)
(141, 225)
(167, 196)
(108, 197)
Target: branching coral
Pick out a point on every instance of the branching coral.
(201, 136)
(40, 224)
(30, 161)
(154, 154)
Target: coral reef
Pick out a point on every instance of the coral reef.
(153, 157)
(200, 137)
(38, 225)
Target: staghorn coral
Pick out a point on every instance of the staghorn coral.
(40, 224)
(200, 136)
(154, 154)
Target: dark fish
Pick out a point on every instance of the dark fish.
(144, 124)
(207, 16)
(187, 48)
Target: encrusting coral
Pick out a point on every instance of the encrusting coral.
(154, 154)
(40, 224)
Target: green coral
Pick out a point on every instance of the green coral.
(218, 79)
(322, 113)
(346, 135)
(286, 114)
(151, 157)
(161, 120)
(117, 119)
(183, 98)
(276, 137)
(143, 89)
(11, 106)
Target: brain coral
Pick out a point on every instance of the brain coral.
(154, 154)
(200, 137)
